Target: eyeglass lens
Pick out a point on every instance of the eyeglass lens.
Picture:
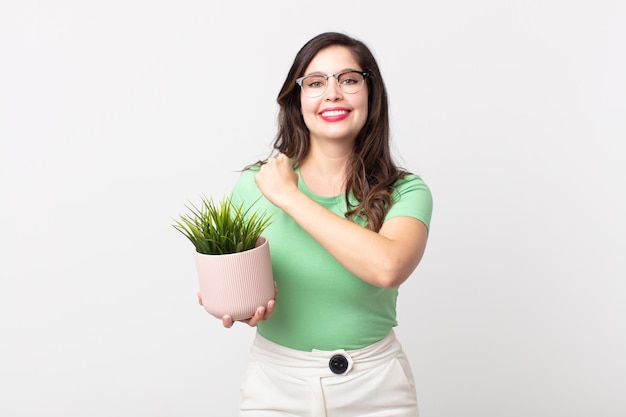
(349, 82)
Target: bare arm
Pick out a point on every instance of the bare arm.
(385, 259)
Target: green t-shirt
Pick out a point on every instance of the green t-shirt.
(320, 304)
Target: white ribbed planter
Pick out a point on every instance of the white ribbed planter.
(236, 283)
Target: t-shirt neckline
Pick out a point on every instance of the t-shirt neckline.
(319, 198)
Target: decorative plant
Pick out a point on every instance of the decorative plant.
(219, 229)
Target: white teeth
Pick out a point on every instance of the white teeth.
(334, 112)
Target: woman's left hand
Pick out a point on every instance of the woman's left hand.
(277, 179)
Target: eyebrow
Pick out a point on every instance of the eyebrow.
(338, 72)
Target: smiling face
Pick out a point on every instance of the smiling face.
(335, 115)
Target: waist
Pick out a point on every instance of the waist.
(316, 362)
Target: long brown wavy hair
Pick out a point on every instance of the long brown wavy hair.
(371, 172)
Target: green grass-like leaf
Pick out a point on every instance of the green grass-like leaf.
(222, 228)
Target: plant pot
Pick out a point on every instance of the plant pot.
(236, 283)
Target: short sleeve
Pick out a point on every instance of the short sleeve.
(412, 198)
(245, 189)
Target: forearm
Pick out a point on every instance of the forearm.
(371, 256)
(385, 259)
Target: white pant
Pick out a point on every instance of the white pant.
(376, 382)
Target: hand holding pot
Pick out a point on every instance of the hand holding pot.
(261, 313)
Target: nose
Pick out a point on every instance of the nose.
(333, 92)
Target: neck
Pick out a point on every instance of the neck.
(324, 169)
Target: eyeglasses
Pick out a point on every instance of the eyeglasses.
(315, 85)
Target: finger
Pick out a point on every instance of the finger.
(269, 310)
(258, 316)
(200, 298)
(227, 321)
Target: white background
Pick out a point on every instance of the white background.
(114, 114)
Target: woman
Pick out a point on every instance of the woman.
(349, 227)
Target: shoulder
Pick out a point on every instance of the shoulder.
(245, 186)
(410, 183)
(248, 173)
(411, 197)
